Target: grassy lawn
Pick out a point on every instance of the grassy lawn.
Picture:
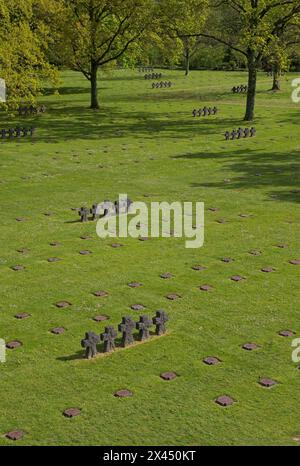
(145, 142)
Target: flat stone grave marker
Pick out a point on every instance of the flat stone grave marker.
(58, 330)
(85, 237)
(23, 250)
(211, 360)
(168, 375)
(17, 268)
(173, 296)
(116, 245)
(101, 318)
(267, 269)
(166, 275)
(268, 383)
(198, 267)
(295, 261)
(15, 435)
(286, 333)
(224, 400)
(54, 243)
(227, 260)
(137, 307)
(123, 393)
(63, 304)
(237, 278)
(85, 252)
(135, 284)
(282, 246)
(71, 412)
(14, 344)
(53, 259)
(221, 220)
(143, 238)
(250, 346)
(206, 288)
(22, 315)
(100, 294)
(21, 219)
(255, 252)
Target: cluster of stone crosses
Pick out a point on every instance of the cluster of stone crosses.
(240, 133)
(107, 207)
(126, 327)
(161, 84)
(205, 111)
(31, 110)
(153, 76)
(18, 132)
(146, 69)
(239, 89)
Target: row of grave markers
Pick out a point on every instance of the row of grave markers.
(161, 84)
(105, 206)
(239, 89)
(126, 327)
(32, 110)
(153, 76)
(18, 132)
(205, 111)
(240, 133)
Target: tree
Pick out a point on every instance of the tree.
(97, 32)
(23, 63)
(250, 27)
(181, 19)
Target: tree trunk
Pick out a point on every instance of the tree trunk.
(276, 82)
(187, 62)
(94, 86)
(252, 75)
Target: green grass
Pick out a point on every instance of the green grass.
(145, 141)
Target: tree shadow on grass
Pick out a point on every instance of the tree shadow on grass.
(278, 172)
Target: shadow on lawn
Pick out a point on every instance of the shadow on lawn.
(256, 169)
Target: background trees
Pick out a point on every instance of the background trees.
(23, 44)
(97, 32)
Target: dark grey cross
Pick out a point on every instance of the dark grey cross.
(234, 89)
(252, 131)
(233, 134)
(83, 213)
(160, 321)
(143, 326)
(109, 338)
(94, 211)
(194, 112)
(18, 132)
(205, 111)
(3, 133)
(126, 327)
(31, 130)
(227, 135)
(240, 133)
(246, 132)
(215, 110)
(90, 344)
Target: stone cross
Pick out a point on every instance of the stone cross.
(109, 337)
(126, 327)
(90, 344)
(83, 213)
(252, 131)
(160, 321)
(143, 326)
